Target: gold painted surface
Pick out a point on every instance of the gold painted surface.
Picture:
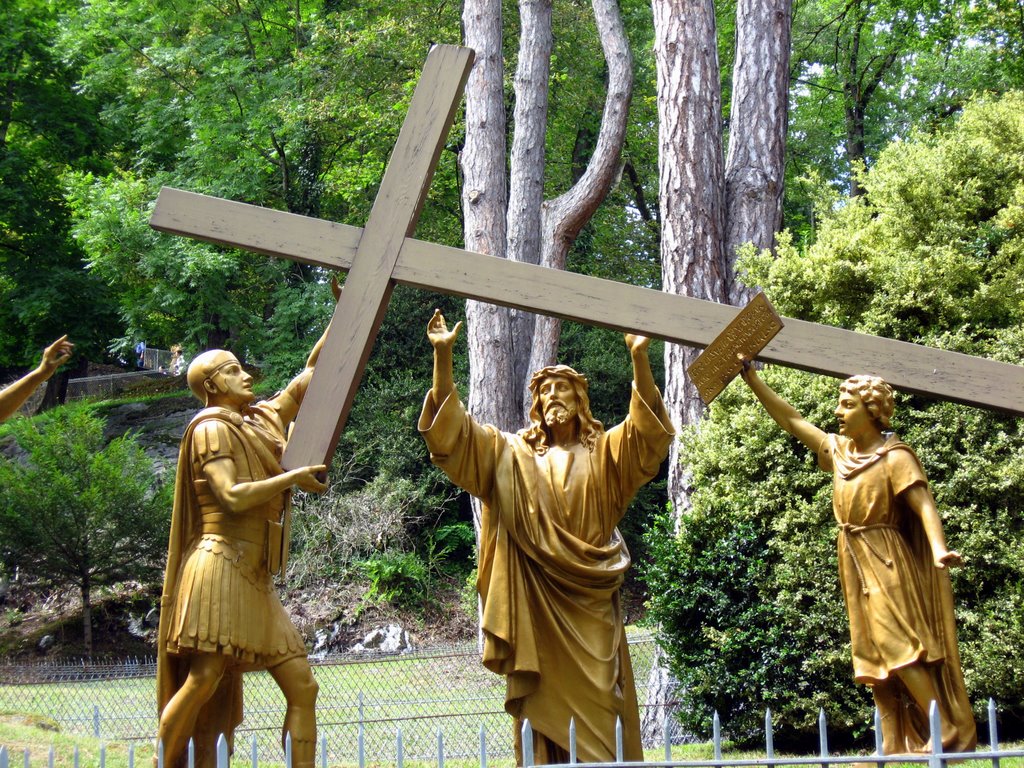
(747, 334)
(893, 565)
(551, 559)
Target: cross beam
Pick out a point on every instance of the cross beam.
(594, 301)
(384, 253)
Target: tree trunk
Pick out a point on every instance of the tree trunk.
(86, 588)
(564, 217)
(691, 197)
(755, 166)
(527, 161)
(493, 395)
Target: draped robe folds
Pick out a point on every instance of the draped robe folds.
(551, 562)
(899, 604)
(213, 599)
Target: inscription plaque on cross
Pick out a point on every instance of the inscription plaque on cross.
(384, 253)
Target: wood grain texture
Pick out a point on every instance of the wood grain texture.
(395, 211)
(595, 301)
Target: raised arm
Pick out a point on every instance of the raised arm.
(288, 406)
(442, 341)
(55, 355)
(643, 377)
(785, 415)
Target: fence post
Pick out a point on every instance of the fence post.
(103, 756)
(879, 741)
(935, 726)
(4, 759)
(399, 750)
(993, 731)
(716, 736)
(96, 720)
(131, 756)
(769, 735)
(483, 747)
(52, 756)
(254, 757)
(823, 735)
(323, 752)
(527, 736)
(440, 749)
(75, 758)
(222, 752)
(666, 732)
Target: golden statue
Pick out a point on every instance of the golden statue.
(219, 612)
(893, 562)
(15, 395)
(551, 559)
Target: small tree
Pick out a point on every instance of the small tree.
(77, 511)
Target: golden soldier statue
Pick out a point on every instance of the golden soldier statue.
(219, 613)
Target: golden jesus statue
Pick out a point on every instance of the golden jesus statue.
(551, 559)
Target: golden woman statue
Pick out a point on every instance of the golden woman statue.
(551, 559)
(14, 396)
(219, 612)
(893, 562)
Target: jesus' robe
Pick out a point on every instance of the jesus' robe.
(551, 563)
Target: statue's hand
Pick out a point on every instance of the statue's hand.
(438, 334)
(312, 479)
(636, 342)
(335, 288)
(947, 559)
(747, 366)
(56, 355)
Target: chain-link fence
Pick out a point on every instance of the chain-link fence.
(421, 693)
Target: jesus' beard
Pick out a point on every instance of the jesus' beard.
(558, 414)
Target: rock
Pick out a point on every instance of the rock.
(46, 642)
(389, 639)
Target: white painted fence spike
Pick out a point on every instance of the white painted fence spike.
(440, 749)
(572, 740)
(769, 735)
(716, 735)
(527, 736)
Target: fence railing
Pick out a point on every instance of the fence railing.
(362, 698)
(992, 753)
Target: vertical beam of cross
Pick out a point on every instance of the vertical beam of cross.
(395, 211)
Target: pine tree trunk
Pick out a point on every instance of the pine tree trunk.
(527, 161)
(754, 168)
(564, 217)
(493, 397)
(691, 197)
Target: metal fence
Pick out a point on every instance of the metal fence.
(363, 701)
(991, 753)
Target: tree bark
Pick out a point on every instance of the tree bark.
(527, 162)
(493, 396)
(691, 197)
(755, 165)
(563, 217)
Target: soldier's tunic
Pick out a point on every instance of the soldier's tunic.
(218, 594)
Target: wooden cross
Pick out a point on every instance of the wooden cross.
(384, 253)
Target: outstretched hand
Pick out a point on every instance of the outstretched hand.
(636, 343)
(438, 334)
(948, 559)
(56, 355)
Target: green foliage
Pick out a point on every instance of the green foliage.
(78, 510)
(746, 591)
